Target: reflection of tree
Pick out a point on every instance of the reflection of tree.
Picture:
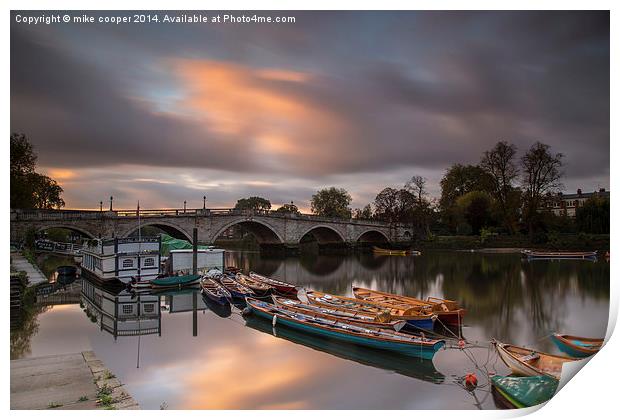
(26, 325)
(501, 292)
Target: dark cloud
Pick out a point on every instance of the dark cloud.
(373, 92)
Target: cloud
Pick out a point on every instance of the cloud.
(335, 97)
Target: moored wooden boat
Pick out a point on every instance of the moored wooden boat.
(523, 391)
(175, 281)
(407, 344)
(236, 289)
(414, 317)
(277, 285)
(554, 255)
(448, 311)
(577, 346)
(356, 318)
(402, 252)
(215, 291)
(259, 288)
(528, 362)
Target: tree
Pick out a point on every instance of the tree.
(417, 186)
(593, 216)
(364, 213)
(422, 211)
(541, 176)
(28, 188)
(458, 181)
(502, 170)
(331, 202)
(253, 203)
(475, 208)
(288, 209)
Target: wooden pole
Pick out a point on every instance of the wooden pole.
(195, 252)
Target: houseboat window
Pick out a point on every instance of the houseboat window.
(127, 263)
(149, 262)
(127, 309)
(149, 307)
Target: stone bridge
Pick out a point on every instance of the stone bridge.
(269, 227)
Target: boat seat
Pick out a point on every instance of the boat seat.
(529, 357)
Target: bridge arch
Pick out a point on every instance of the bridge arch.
(262, 231)
(72, 228)
(372, 235)
(323, 234)
(169, 228)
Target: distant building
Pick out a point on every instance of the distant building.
(567, 204)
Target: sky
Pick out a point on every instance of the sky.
(166, 113)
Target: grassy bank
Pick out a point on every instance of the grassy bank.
(582, 242)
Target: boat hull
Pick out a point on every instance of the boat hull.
(175, 282)
(519, 367)
(521, 392)
(423, 352)
(570, 345)
(420, 324)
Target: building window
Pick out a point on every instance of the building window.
(127, 263)
(127, 310)
(149, 262)
(149, 308)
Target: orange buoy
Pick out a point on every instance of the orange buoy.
(461, 344)
(471, 381)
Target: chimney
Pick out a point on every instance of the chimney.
(579, 191)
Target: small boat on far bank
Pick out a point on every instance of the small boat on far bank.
(528, 362)
(410, 345)
(577, 346)
(559, 255)
(523, 391)
(401, 252)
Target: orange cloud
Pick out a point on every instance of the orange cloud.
(271, 109)
(61, 174)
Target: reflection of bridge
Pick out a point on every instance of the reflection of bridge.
(269, 228)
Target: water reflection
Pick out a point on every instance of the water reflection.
(195, 354)
(415, 368)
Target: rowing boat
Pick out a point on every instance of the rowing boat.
(414, 317)
(401, 252)
(338, 315)
(277, 285)
(215, 291)
(407, 344)
(448, 311)
(555, 255)
(524, 391)
(528, 362)
(175, 281)
(577, 346)
(259, 288)
(236, 289)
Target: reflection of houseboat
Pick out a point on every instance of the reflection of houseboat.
(122, 313)
(183, 300)
(121, 259)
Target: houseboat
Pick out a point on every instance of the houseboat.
(122, 259)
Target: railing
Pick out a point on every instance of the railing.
(57, 247)
(72, 215)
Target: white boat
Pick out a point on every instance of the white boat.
(527, 362)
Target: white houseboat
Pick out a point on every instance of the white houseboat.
(122, 259)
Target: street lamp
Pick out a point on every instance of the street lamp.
(111, 199)
(204, 202)
(184, 205)
(101, 206)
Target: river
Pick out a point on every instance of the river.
(209, 358)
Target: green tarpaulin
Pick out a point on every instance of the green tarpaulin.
(168, 243)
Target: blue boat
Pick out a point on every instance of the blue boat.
(407, 344)
(577, 346)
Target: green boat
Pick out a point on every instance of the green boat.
(175, 281)
(523, 391)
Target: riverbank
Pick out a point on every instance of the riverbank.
(77, 381)
(568, 242)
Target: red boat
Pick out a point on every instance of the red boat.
(277, 285)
